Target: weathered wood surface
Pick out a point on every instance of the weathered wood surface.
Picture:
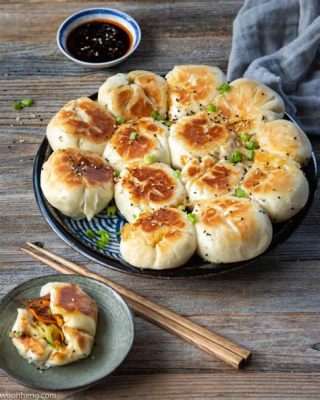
(272, 307)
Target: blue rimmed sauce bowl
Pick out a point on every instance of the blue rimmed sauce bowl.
(98, 37)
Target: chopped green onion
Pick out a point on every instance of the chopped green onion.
(134, 216)
(149, 158)
(225, 87)
(235, 157)
(250, 155)
(156, 115)
(182, 207)
(240, 192)
(104, 238)
(133, 135)
(104, 235)
(177, 174)
(100, 243)
(167, 123)
(90, 233)
(20, 104)
(16, 105)
(111, 211)
(116, 173)
(120, 120)
(212, 108)
(245, 136)
(118, 233)
(251, 145)
(26, 102)
(192, 218)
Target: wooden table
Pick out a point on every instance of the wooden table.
(272, 307)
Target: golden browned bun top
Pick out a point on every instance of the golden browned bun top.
(270, 173)
(227, 211)
(140, 104)
(211, 174)
(75, 167)
(199, 132)
(192, 83)
(149, 183)
(249, 100)
(166, 223)
(72, 299)
(143, 144)
(154, 86)
(169, 217)
(86, 118)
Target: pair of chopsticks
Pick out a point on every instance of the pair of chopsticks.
(215, 345)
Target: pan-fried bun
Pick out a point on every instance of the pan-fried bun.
(78, 183)
(142, 187)
(83, 124)
(79, 312)
(134, 95)
(198, 136)
(192, 88)
(250, 101)
(136, 139)
(231, 229)
(285, 139)
(205, 179)
(58, 328)
(160, 239)
(277, 184)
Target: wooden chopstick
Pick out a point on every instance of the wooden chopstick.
(208, 341)
(132, 296)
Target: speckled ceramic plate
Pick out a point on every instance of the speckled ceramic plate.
(73, 232)
(113, 340)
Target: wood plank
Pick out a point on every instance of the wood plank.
(237, 385)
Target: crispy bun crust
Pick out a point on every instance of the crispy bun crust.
(231, 229)
(192, 88)
(277, 184)
(134, 95)
(158, 240)
(83, 124)
(142, 187)
(78, 183)
(198, 136)
(151, 137)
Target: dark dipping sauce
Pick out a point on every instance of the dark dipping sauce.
(98, 41)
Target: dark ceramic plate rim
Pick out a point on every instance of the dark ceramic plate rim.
(88, 385)
(282, 231)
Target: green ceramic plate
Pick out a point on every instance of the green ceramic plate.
(113, 339)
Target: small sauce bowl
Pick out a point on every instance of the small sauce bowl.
(109, 15)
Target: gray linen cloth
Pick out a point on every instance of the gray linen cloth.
(277, 42)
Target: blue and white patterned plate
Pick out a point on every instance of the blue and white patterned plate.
(74, 232)
(101, 221)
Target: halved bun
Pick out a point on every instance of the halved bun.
(78, 183)
(76, 322)
(159, 240)
(83, 124)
